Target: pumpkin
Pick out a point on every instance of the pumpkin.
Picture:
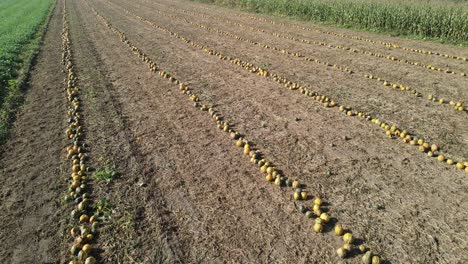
(348, 238)
(87, 248)
(271, 170)
(296, 196)
(318, 201)
(348, 247)
(82, 255)
(295, 184)
(318, 228)
(75, 213)
(75, 231)
(441, 158)
(246, 149)
(342, 252)
(274, 173)
(339, 230)
(82, 206)
(88, 237)
(362, 248)
(90, 260)
(74, 250)
(367, 258)
(84, 218)
(278, 181)
(375, 260)
(316, 207)
(460, 166)
(234, 135)
(325, 217)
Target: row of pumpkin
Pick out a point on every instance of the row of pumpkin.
(390, 130)
(84, 221)
(272, 173)
(456, 104)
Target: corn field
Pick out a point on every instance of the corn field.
(446, 21)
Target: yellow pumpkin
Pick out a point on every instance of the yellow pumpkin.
(246, 149)
(270, 170)
(90, 260)
(348, 238)
(84, 218)
(87, 248)
(318, 228)
(93, 219)
(342, 252)
(367, 258)
(362, 248)
(318, 201)
(316, 207)
(297, 196)
(375, 260)
(339, 231)
(295, 184)
(75, 231)
(278, 181)
(325, 217)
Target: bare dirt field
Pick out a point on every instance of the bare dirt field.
(185, 193)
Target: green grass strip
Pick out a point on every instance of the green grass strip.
(21, 33)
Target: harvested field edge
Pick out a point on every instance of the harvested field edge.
(390, 45)
(273, 174)
(256, 7)
(15, 98)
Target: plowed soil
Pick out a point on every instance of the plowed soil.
(185, 193)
